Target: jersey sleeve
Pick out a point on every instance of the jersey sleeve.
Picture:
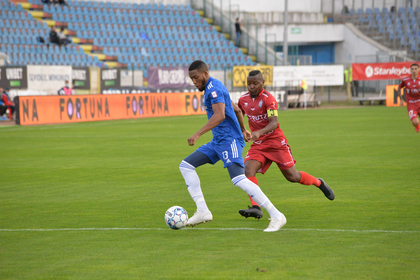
(402, 84)
(216, 96)
(271, 103)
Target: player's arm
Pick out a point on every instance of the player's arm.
(401, 85)
(272, 115)
(215, 120)
(240, 117)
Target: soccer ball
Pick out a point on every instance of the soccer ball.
(176, 217)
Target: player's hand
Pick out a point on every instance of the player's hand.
(192, 139)
(247, 135)
(255, 135)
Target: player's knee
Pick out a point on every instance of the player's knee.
(249, 172)
(415, 121)
(185, 165)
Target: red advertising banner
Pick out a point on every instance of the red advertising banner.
(381, 71)
(85, 108)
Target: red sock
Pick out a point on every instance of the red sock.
(307, 179)
(417, 128)
(255, 181)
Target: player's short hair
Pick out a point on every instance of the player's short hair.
(414, 64)
(198, 65)
(254, 73)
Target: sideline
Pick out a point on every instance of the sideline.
(217, 229)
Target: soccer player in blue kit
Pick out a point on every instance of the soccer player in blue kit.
(226, 122)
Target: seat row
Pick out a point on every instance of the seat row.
(182, 21)
(177, 59)
(18, 39)
(8, 6)
(120, 5)
(23, 32)
(40, 49)
(119, 42)
(116, 51)
(147, 36)
(23, 23)
(82, 26)
(385, 10)
(116, 11)
(14, 15)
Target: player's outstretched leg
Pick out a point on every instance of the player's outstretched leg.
(328, 192)
(306, 179)
(255, 210)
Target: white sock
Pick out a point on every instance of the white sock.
(193, 184)
(257, 195)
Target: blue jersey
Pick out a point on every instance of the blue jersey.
(228, 129)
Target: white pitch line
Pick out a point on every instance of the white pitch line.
(220, 229)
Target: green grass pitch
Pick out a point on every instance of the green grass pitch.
(87, 201)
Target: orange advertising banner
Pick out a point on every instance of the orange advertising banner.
(85, 108)
(395, 97)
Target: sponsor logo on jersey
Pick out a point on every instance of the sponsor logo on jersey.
(252, 109)
(257, 118)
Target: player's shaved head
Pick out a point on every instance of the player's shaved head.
(255, 82)
(414, 64)
(256, 74)
(198, 65)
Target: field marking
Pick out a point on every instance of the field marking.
(219, 229)
(90, 123)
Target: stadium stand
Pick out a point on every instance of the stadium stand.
(397, 30)
(114, 34)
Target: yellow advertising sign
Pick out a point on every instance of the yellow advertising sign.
(240, 73)
(395, 97)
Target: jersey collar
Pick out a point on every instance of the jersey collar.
(208, 81)
(259, 94)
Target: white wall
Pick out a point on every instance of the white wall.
(355, 44)
(311, 6)
(270, 5)
(302, 33)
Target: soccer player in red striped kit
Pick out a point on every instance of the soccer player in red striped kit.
(269, 143)
(412, 85)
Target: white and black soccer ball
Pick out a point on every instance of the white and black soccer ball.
(176, 217)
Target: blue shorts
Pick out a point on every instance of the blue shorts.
(228, 153)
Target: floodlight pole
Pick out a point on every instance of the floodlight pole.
(285, 44)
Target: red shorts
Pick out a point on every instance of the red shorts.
(269, 151)
(413, 108)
